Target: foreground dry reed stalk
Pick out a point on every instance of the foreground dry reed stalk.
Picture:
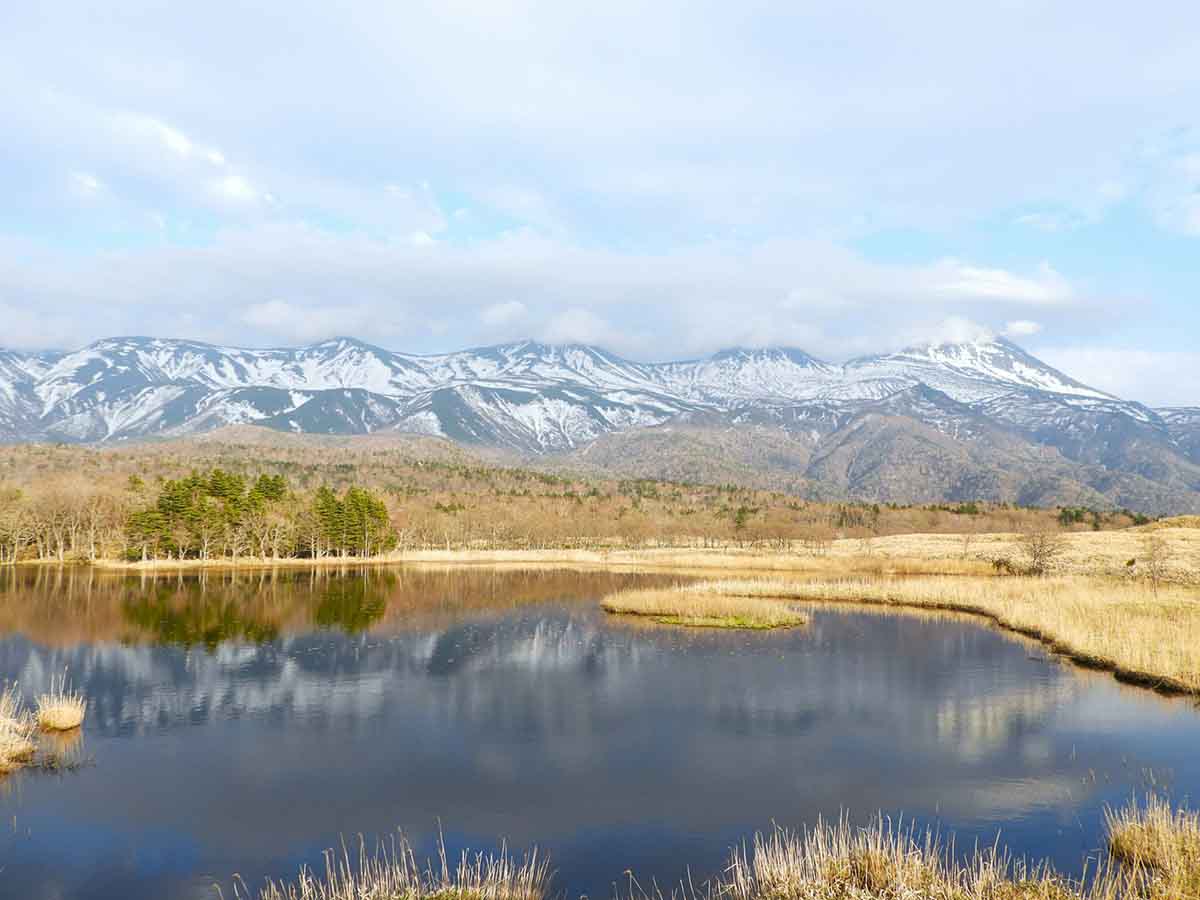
(1164, 841)
(1144, 637)
(393, 873)
(61, 709)
(706, 608)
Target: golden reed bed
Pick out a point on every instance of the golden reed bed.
(702, 608)
(1145, 635)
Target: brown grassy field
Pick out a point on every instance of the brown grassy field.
(1106, 554)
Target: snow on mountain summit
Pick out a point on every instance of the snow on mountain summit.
(524, 394)
(972, 370)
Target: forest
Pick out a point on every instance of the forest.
(313, 499)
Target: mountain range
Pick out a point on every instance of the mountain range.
(976, 420)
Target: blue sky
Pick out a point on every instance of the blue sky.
(664, 179)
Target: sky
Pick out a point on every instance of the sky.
(662, 179)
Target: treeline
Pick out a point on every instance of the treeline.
(206, 515)
(212, 500)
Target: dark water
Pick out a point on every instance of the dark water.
(242, 726)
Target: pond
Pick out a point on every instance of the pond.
(244, 724)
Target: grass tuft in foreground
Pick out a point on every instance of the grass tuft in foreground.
(61, 709)
(393, 873)
(1161, 840)
(703, 606)
(1153, 857)
(840, 862)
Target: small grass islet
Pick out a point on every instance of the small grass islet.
(59, 712)
(61, 709)
(1143, 636)
(703, 606)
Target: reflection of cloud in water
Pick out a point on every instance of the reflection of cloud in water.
(541, 722)
(979, 724)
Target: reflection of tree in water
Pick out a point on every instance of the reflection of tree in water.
(354, 604)
(201, 618)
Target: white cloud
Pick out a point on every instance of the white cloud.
(959, 279)
(951, 330)
(816, 295)
(1022, 328)
(502, 315)
(579, 326)
(306, 323)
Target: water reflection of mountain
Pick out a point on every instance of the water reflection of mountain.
(505, 671)
(510, 706)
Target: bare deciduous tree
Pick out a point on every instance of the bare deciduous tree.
(1040, 550)
(1156, 558)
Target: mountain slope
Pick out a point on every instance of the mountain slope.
(979, 419)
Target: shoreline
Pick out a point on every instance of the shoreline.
(849, 578)
(1107, 554)
(680, 559)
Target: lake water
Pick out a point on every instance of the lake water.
(242, 725)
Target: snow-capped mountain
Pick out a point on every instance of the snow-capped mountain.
(539, 398)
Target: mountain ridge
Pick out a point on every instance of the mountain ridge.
(976, 412)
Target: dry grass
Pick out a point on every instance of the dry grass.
(16, 732)
(1091, 554)
(704, 560)
(1144, 636)
(704, 607)
(1162, 840)
(1155, 856)
(393, 873)
(61, 709)
(840, 862)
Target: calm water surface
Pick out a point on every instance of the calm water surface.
(241, 726)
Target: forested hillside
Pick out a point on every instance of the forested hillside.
(306, 497)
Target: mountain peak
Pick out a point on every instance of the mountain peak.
(762, 354)
(994, 363)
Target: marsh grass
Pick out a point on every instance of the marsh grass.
(891, 862)
(1144, 637)
(20, 739)
(703, 607)
(1161, 840)
(17, 747)
(393, 873)
(60, 709)
(881, 862)
(1154, 855)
